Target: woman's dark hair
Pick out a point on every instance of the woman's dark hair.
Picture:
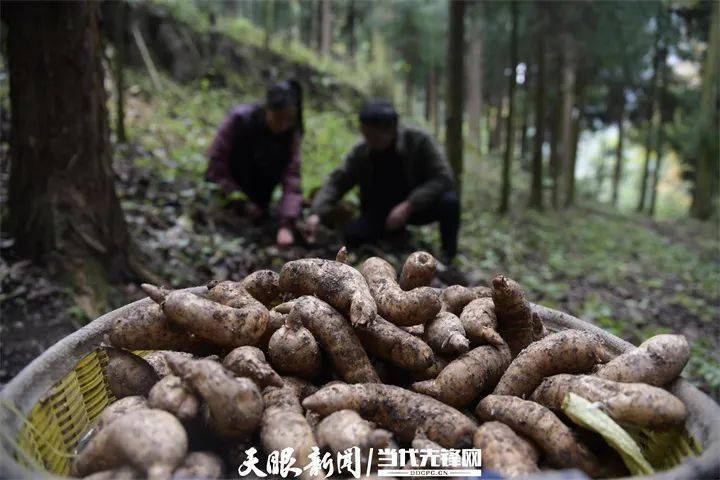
(282, 94)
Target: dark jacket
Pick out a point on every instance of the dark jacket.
(228, 158)
(427, 172)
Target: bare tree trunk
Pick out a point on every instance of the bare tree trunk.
(525, 118)
(536, 186)
(555, 157)
(119, 71)
(314, 34)
(474, 90)
(430, 94)
(454, 96)
(436, 104)
(617, 172)
(408, 94)
(62, 203)
(269, 22)
(568, 91)
(489, 126)
(497, 132)
(661, 131)
(650, 121)
(704, 201)
(658, 168)
(326, 30)
(575, 138)
(510, 127)
(352, 40)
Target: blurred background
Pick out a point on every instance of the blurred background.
(584, 135)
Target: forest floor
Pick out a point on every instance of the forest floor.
(626, 273)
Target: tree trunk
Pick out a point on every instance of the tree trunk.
(326, 30)
(314, 34)
(509, 126)
(430, 93)
(119, 71)
(489, 125)
(574, 139)
(617, 171)
(497, 133)
(351, 32)
(536, 185)
(706, 168)
(658, 168)
(474, 90)
(62, 203)
(436, 103)
(408, 93)
(454, 96)
(555, 147)
(650, 122)
(269, 22)
(525, 117)
(568, 91)
(660, 131)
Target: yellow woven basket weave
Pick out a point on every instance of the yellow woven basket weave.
(56, 424)
(50, 431)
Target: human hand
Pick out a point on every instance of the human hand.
(398, 216)
(285, 237)
(253, 210)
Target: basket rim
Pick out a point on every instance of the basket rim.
(29, 386)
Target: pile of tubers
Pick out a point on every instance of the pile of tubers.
(329, 356)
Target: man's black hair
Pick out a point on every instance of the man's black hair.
(281, 94)
(378, 113)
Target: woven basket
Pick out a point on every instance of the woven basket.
(48, 408)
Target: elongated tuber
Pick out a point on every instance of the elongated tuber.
(634, 404)
(215, 322)
(394, 345)
(567, 351)
(336, 283)
(294, 351)
(464, 379)
(445, 334)
(421, 442)
(145, 327)
(199, 465)
(418, 271)
(158, 361)
(504, 451)
(399, 410)
(657, 361)
(455, 297)
(153, 441)
(250, 362)
(548, 432)
(263, 285)
(171, 395)
(284, 425)
(480, 323)
(234, 405)
(517, 324)
(346, 429)
(119, 408)
(128, 374)
(402, 308)
(122, 473)
(337, 338)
